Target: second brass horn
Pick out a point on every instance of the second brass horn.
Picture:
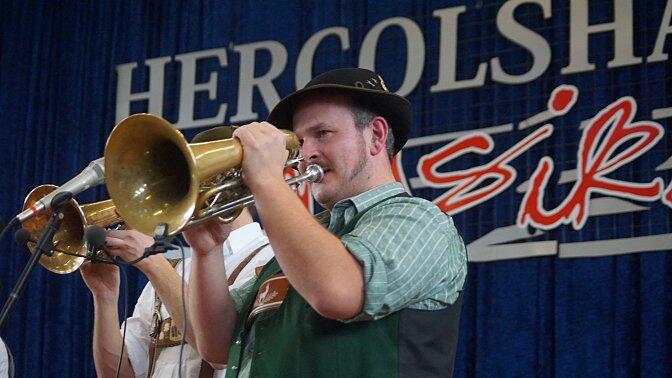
(154, 176)
(70, 236)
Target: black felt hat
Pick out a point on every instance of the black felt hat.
(366, 87)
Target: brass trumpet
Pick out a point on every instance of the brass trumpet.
(69, 244)
(154, 176)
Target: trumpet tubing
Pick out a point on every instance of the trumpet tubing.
(70, 236)
(154, 176)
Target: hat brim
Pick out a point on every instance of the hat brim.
(394, 108)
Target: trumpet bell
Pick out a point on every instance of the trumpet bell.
(68, 238)
(154, 175)
(150, 175)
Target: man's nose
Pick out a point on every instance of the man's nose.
(309, 152)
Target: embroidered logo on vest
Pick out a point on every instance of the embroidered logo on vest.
(270, 296)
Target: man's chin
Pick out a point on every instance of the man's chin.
(320, 195)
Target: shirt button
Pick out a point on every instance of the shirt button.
(234, 367)
(237, 342)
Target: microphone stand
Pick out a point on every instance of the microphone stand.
(43, 247)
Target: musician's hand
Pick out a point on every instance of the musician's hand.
(130, 245)
(264, 156)
(206, 236)
(101, 279)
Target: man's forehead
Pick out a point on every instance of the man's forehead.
(316, 111)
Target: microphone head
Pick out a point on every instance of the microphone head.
(22, 236)
(95, 237)
(60, 198)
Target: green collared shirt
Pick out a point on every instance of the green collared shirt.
(411, 253)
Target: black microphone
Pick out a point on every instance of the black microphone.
(95, 237)
(95, 241)
(22, 236)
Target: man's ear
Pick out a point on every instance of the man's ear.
(379, 130)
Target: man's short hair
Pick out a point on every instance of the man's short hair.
(363, 115)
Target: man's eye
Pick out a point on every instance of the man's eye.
(323, 133)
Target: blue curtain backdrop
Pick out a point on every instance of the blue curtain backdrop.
(544, 316)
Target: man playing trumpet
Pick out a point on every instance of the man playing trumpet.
(151, 348)
(154, 331)
(371, 288)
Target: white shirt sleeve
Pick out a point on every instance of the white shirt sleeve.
(240, 244)
(248, 271)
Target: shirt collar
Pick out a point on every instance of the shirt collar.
(344, 210)
(365, 200)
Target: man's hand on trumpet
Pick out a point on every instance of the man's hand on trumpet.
(265, 154)
(207, 237)
(130, 245)
(103, 279)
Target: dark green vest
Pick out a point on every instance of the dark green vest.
(295, 341)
